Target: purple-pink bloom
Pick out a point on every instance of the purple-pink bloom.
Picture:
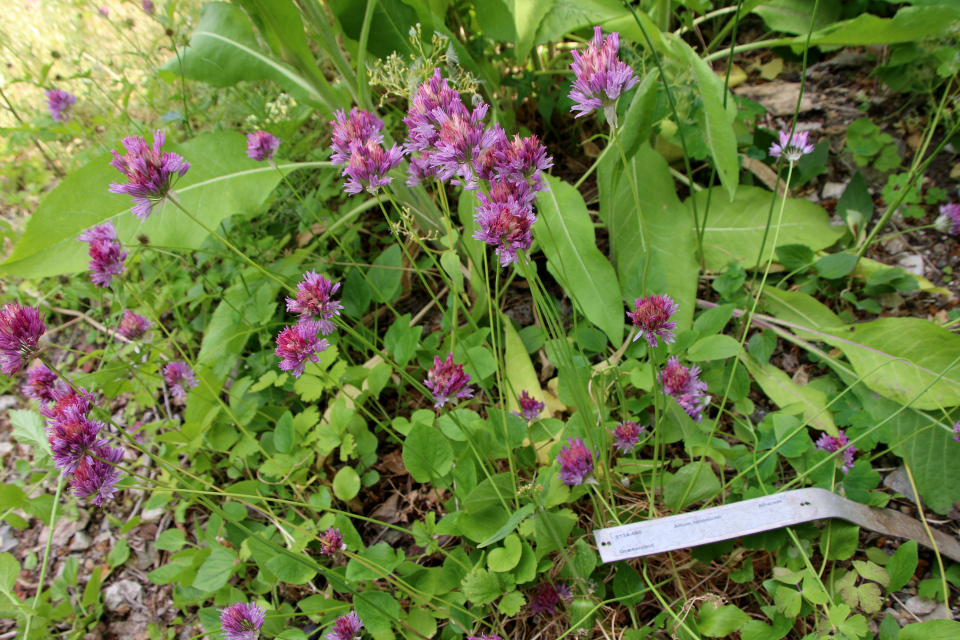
(348, 627)
(432, 102)
(151, 173)
(133, 326)
(67, 400)
(576, 462)
(20, 331)
(447, 381)
(242, 621)
(73, 438)
(530, 407)
(504, 221)
(651, 315)
(685, 386)
(462, 140)
(626, 435)
(59, 104)
(956, 431)
(832, 444)
(369, 165)
(148, 7)
(949, 219)
(298, 345)
(523, 159)
(421, 169)
(42, 384)
(546, 598)
(106, 254)
(600, 76)
(96, 476)
(792, 146)
(179, 377)
(314, 302)
(262, 145)
(332, 542)
(103, 11)
(360, 126)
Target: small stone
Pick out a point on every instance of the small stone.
(920, 606)
(912, 264)
(81, 541)
(7, 402)
(940, 613)
(895, 245)
(123, 593)
(8, 541)
(833, 190)
(955, 171)
(150, 515)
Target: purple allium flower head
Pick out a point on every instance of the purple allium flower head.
(956, 431)
(447, 381)
(360, 126)
(97, 477)
(421, 169)
(488, 165)
(792, 147)
(242, 621)
(523, 159)
(148, 7)
(651, 315)
(180, 378)
(133, 326)
(314, 303)
(151, 173)
(832, 444)
(576, 462)
(42, 384)
(685, 386)
(298, 345)
(626, 435)
(331, 542)
(59, 104)
(20, 331)
(504, 221)
(547, 597)
(262, 145)
(949, 219)
(67, 400)
(106, 254)
(423, 118)
(73, 438)
(530, 407)
(463, 139)
(369, 165)
(600, 76)
(103, 11)
(348, 627)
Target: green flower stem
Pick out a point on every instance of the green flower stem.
(666, 606)
(46, 557)
(610, 510)
(926, 526)
(596, 163)
(657, 414)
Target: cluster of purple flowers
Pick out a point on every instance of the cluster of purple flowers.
(956, 431)
(626, 435)
(59, 104)
(651, 316)
(348, 627)
(151, 173)
(20, 331)
(180, 378)
(300, 344)
(358, 145)
(331, 542)
(839, 442)
(42, 384)
(262, 145)
(546, 598)
(530, 407)
(684, 384)
(600, 76)
(576, 463)
(106, 253)
(949, 219)
(792, 146)
(148, 7)
(242, 621)
(133, 326)
(447, 381)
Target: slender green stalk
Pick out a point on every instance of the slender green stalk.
(46, 556)
(933, 542)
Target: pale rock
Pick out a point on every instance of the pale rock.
(81, 541)
(912, 264)
(920, 606)
(8, 541)
(895, 245)
(5, 448)
(122, 593)
(833, 190)
(7, 402)
(940, 613)
(151, 515)
(65, 529)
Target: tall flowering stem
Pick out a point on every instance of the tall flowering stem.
(46, 556)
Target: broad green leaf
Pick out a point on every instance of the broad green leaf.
(735, 229)
(566, 234)
(512, 603)
(389, 27)
(378, 610)
(492, 491)
(520, 372)
(910, 24)
(385, 274)
(784, 392)
(872, 571)
(506, 557)
(483, 587)
(28, 429)
(222, 181)
(215, 570)
(719, 622)
(570, 15)
(788, 601)
(171, 540)
(934, 630)
(495, 18)
(9, 571)
(801, 310)
(527, 15)
(835, 265)
(290, 570)
(716, 347)
(899, 357)
(718, 120)
(346, 484)
(12, 496)
(508, 528)
(641, 115)
(427, 453)
(794, 16)
(119, 554)
(870, 597)
(284, 435)
(902, 565)
(842, 538)
(695, 481)
(674, 267)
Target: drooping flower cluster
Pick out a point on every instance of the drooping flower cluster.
(42, 384)
(357, 144)
(792, 146)
(504, 220)
(651, 316)
(78, 448)
(316, 308)
(133, 326)
(447, 382)
(20, 331)
(626, 435)
(106, 254)
(949, 219)
(262, 145)
(242, 621)
(839, 442)
(684, 384)
(546, 597)
(576, 463)
(59, 104)
(331, 542)
(530, 407)
(180, 378)
(600, 76)
(151, 173)
(348, 627)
